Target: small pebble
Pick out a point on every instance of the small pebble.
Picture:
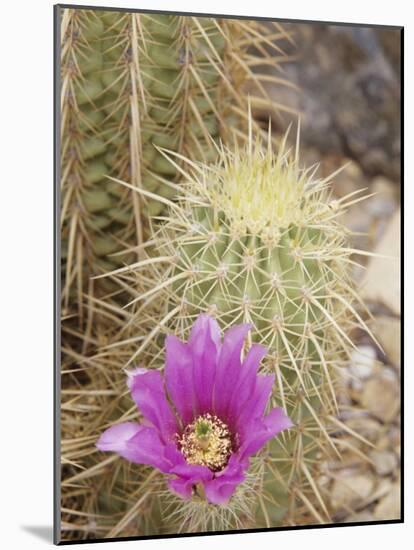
(389, 506)
(362, 362)
(348, 491)
(385, 462)
(381, 396)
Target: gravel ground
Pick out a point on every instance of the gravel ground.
(365, 484)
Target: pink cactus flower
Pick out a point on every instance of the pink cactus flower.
(205, 417)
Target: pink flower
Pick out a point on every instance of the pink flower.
(205, 417)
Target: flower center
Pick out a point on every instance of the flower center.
(207, 442)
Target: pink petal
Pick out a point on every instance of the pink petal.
(193, 472)
(243, 391)
(258, 432)
(179, 377)
(147, 390)
(229, 368)
(116, 438)
(254, 356)
(146, 447)
(255, 406)
(220, 489)
(136, 443)
(205, 345)
(205, 324)
(182, 487)
(187, 476)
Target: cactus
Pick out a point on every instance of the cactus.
(255, 238)
(251, 238)
(120, 100)
(131, 82)
(95, 220)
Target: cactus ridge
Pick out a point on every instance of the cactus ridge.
(96, 219)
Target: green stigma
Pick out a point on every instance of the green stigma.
(202, 428)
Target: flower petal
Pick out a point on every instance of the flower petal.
(147, 390)
(147, 447)
(220, 489)
(136, 443)
(182, 487)
(188, 475)
(205, 324)
(228, 368)
(254, 356)
(205, 345)
(255, 406)
(179, 377)
(243, 391)
(194, 472)
(260, 431)
(116, 438)
(182, 468)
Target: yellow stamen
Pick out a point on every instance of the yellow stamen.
(207, 442)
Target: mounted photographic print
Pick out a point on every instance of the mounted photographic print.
(228, 280)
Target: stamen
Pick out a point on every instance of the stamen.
(207, 442)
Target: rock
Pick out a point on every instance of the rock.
(323, 481)
(381, 282)
(348, 491)
(389, 506)
(381, 396)
(388, 332)
(362, 362)
(349, 179)
(385, 462)
(383, 204)
(367, 427)
(395, 437)
(348, 93)
(382, 489)
(383, 443)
